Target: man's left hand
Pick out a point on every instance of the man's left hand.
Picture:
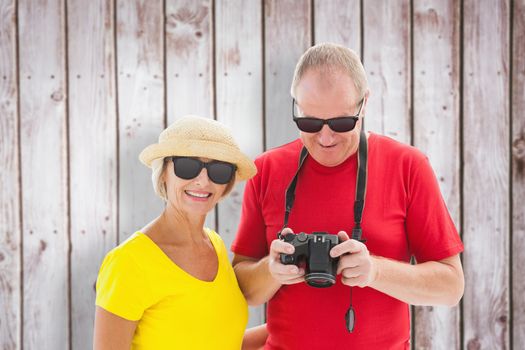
(356, 266)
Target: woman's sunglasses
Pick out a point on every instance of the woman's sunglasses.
(188, 168)
(338, 124)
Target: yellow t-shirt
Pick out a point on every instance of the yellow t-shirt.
(137, 281)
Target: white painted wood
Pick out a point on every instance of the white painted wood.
(140, 33)
(436, 133)
(10, 230)
(338, 21)
(239, 98)
(189, 59)
(486, 175)
(287, 36)
(189, 63)
(93, 154)
(387, 62)
(43, 139)
(518, 175)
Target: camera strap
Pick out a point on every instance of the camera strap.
(359, 204)
(290, 191)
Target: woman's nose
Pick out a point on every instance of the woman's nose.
(203, 178)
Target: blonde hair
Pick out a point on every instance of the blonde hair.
(331, 58)
(159, 165)
(157, 169)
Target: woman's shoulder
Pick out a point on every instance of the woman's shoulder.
(216, 240)
(213, 236)
(128, 251)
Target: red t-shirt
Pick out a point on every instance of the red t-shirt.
(404, 216)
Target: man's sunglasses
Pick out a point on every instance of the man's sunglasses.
(188, 168)
(338, 124)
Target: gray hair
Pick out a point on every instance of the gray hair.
(331, 58)
(158, 166)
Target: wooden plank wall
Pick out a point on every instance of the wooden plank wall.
(44, 174)
(517, 102)
(85, 85)
(10, 187)
(436, 128)
(486, 143)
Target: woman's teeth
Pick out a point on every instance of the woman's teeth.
(198, 194)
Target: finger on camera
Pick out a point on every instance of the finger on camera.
(350, 246)
(358, 281)
(277, 247)
(286, 231)
(286, 278)
(347, 262)
(294, 280)
(286, 275)
(343, 236)
(350, 273)
(280, 269)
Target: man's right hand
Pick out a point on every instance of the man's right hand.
(284, 274)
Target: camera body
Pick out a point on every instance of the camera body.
(314, 249)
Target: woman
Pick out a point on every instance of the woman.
(171, 285)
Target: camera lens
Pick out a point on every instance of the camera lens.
(320, 280)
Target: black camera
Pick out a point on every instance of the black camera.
(314, 249)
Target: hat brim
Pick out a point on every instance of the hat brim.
(205, 149)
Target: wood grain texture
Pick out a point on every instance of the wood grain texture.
(486, 175)
(140, 33)
(43, 139)
(65, 140)
(93, 154)
(189, 60)
(338, 21)
(10, 230)
(189, 63)
(239, 98)
(287, 35)
(518, 174)
(387, 62)
(436, 133)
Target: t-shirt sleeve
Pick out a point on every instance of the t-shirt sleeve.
(121, 286)
(250, 240)
(432, 235)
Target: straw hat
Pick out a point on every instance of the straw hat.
(194, 136)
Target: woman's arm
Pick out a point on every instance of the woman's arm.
(255, 338)
(111, 331)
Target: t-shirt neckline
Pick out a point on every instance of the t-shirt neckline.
(176, 267)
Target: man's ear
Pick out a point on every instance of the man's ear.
(366, 97)
(365, 102)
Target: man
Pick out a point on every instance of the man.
(404, 216)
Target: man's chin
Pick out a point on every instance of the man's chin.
(328, 158)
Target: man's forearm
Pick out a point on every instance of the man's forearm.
(429, 283)
(255, 280)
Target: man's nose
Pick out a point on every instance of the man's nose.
(325, 135)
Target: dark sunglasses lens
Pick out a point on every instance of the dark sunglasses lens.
(309, 124)
(187, 168)
(221, 173)
(342, 124)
